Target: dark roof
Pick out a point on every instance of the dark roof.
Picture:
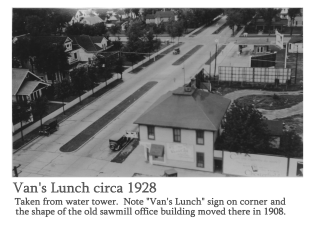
(191, 110)
(166, 14)
(85, 42)
(150, 16)
(97, 39)
(296, 40)
(275, 127)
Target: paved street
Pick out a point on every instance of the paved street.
(42, 157)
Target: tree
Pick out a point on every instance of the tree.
(22, 112)
(233, 18)
(119, 66)
(21, 49)
(245, 131)
(40, 107)
(268, 14)
(62, 90)
(292, 13)
(136, 11)
(80, 80)
(105, 66)
(52, 59)
(291, 145)
(34, 25)
(116, 29)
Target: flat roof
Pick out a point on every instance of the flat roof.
(254, 41)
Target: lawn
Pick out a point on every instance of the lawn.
(271, 102)
(294, 122)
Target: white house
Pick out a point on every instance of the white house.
(160, 16)
(83, 14)
(298, 20)
(26, 86)
(295, 45)
(181, 127)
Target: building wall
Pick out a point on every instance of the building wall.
(295, 47)
(84, 56)
(163, 136)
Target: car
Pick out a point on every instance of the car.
(49, 127)
(118, 141)
(176, 51)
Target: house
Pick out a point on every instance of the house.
(160, 16)
(276, 131)
(181, 127)
(295, 45)
(26, 86)
(92, 20)
(83, 14)
(298, 20)
(277, 24)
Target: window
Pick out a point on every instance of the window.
(200, 160)
(200, 137)
(75, 55)
(151, 133)
(176, 135)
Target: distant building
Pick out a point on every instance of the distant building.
(160, 16)
(86, 16)
(181, 127)
(298, 20)
(295, 45)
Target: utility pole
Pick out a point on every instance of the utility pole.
(215, 59)
(285, 56)
(16, 173)
(296, 62)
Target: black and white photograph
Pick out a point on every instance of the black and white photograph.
(157, 92)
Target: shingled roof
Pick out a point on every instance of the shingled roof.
(85, 41)
(190, 110)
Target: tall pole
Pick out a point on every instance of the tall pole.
(210, 66)
(285, 56)
(215, 59)
(184, 73)
(296, 62)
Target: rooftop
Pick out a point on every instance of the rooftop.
(296, 40)
(197, 110)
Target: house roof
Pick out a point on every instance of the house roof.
(18, 75)
(113, 18)
(30, 86)
(166, 14)
(196, 110)
(97, 39)
(85, 41)
(275, 127)
(296, 40)
(92, 20)
(150, 16)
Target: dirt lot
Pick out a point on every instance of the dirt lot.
(271, 102)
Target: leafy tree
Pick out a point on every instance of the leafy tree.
(21, 49)
(52, 59)
(245, 131)
(116, 29)
(136, 11)
(62, 90)
(233, 18)
(291, 145)
(105, 66)
(119, 66)
(40, 107)
(34, 25)
(292, 13)
(22, 112)
(92, 74)
(268, 14)
(80, 80)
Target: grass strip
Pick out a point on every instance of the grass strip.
(69, 112)
(95, 127)
(220, 28)
(157, 57)
(123, 154)
(187, 55)
(213, 56)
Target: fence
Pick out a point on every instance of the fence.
(254, 75)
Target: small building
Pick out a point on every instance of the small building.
(295, 45)
(276, 132)
(298, 20)
(83, 14)
(92, 20)
(160, 16)
(26, 86)
(277, 24)
(181, 127)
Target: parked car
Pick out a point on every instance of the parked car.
(49, 127)
(118, 141)
(176, 51)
